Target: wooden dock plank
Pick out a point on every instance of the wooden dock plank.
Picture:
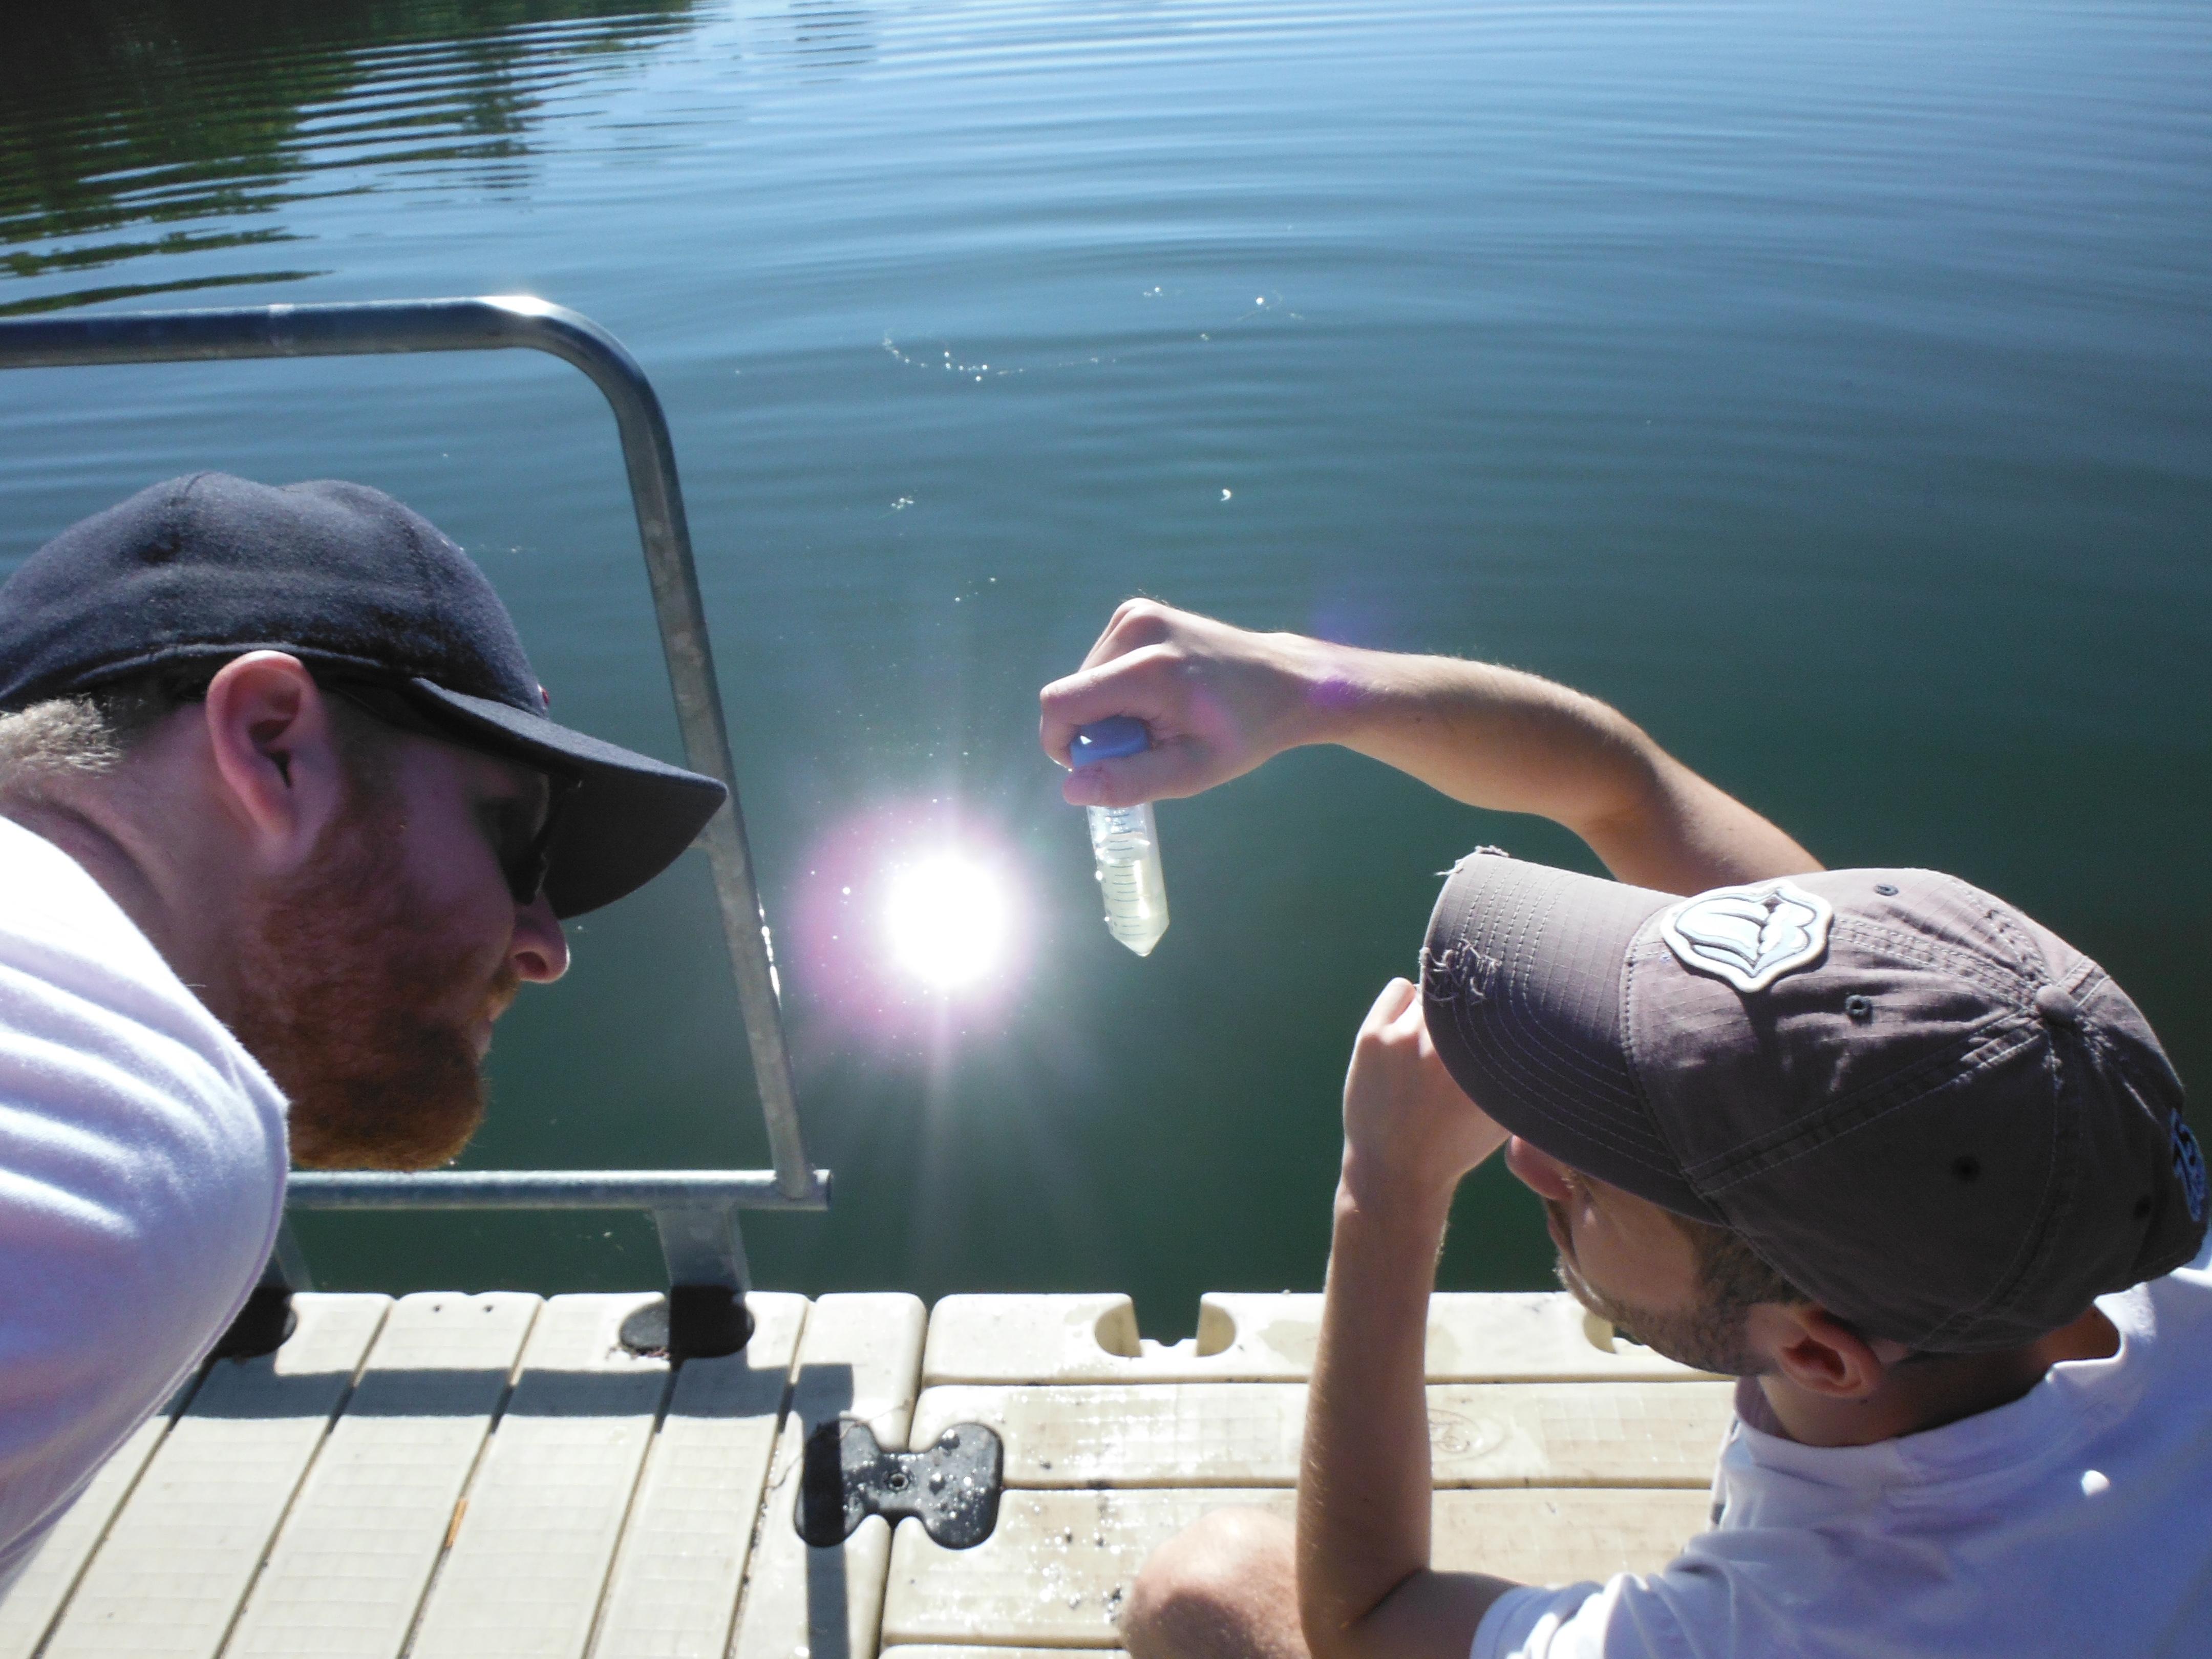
(1523, 1337)
(1058, 1568)
(28, 1608)
(1246, 1434)
(176, 1561)
(1054, 1573)
(860, 1357)
(530, 1549)
(674, 1592)
(349, 1568)
(615, 1511)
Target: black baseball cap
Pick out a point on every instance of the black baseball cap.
(1930, 1114)
(364, 591)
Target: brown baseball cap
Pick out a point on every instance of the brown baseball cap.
(1933, 1116)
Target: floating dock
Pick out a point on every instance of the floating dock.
(446, 1475)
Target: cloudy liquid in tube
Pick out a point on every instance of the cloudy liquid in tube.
(1124, 842)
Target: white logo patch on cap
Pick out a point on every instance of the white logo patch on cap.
(1749, 936)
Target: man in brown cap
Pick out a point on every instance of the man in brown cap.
(1902, 1161)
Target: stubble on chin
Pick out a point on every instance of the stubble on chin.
(348, 997)
(1703, 1338)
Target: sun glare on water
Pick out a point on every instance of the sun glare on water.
(947, 919)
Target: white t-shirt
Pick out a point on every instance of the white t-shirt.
(2076, 1520)
(142, 1181)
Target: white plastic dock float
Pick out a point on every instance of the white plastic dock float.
(494, 1476)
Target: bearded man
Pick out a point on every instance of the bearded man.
(284, 827)
(1906, 1163)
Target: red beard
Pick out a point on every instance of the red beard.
(360, 1010)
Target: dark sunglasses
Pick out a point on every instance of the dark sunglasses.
(525, 861)
(524, 853)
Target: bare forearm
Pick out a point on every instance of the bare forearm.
(1365, 1590)
(1363, 1478)
(1219, 700)
(1512, 742)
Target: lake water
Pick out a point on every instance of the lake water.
(1829, 384)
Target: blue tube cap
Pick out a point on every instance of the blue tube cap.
(1109, 739)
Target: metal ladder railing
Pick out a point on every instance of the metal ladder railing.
(695, 1211)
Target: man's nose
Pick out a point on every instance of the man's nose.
(540, 950)
(1539, 1172)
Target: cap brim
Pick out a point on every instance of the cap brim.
(1521, 981)
(631, 815)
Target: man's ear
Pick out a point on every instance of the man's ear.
(1818, 1351)
(276, 754)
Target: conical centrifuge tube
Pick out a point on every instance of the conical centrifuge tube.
(1125, 841)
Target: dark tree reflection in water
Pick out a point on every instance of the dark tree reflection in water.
(169, 126)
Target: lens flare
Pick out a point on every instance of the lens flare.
(910, 933)
(945, 919)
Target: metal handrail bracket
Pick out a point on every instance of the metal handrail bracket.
(490, 324)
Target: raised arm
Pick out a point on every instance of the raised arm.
(1366, 1587)
(1220, 700)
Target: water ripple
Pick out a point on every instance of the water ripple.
(115, 117)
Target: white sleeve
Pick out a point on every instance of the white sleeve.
(1630, 1616)
(1521, 1623)
(142, 1179)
